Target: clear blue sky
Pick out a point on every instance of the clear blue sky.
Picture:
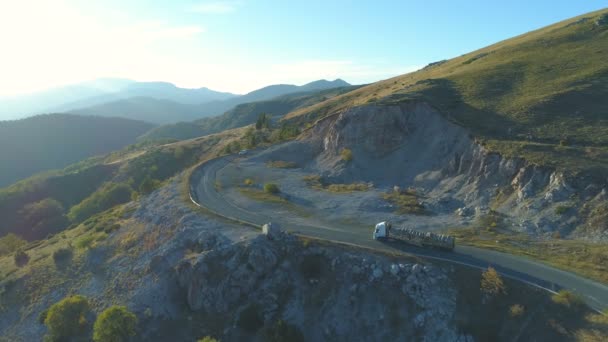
(242, 45)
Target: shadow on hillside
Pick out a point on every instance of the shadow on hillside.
(443, 95)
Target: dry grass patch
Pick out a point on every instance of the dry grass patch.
(317, 182)
(281, 164)
(585, 258)
(405, 202)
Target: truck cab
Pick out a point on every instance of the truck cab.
(381, 230)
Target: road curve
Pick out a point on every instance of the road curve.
(203, 193)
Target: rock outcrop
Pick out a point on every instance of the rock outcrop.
(413, 145)
(285, 279)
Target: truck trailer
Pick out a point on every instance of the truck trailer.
(385, 231)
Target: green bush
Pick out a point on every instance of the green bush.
(21, 258)
(249, 319)
(346, 154)
(148, 185)
(115, 324)
(103, 199)
(85, 242)
(271, 188)
(282, 331)
(561, 210)
(67, 318)
(207, 339)
(43, 218)
(10, 244)
(284, 133)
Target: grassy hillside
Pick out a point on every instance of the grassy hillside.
(49, 202)
(541, 95)
(45, 142)
(242, 115)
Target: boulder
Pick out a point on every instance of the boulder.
(271, 230)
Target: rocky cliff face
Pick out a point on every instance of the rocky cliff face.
(326, 290)
(413, 145)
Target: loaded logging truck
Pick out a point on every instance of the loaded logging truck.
(384, 231)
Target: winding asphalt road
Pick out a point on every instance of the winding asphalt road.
(204, 194)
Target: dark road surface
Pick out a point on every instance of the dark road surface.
(204, 194)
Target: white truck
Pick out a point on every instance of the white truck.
(384, 230)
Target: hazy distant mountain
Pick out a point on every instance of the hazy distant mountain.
(154, 90)
(54, 141)
(20, 106)
(156, 102)
(218, 107)
(244, 114)
(165, 103)
(97, 92)
(148, 109)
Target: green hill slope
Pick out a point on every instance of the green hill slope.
(243, 115)
(54, 141)
(541, 95)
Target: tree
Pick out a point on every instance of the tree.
(67, 318)
(105, 198)
(10, 243)
(271, 188)
(21, 258)
(263, 121)
(148, 185)
(491, 282)
(115, 324)
(43, 218)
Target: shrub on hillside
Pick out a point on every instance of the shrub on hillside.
(491, 282)
(568, 298)
(516, 310)
(115, 324)
(346, 154)
(103, 199)
(67, 318)
(207, 339)
(148, 185)
(85, 242)
(62, 255)
(21, 258)
(282, 331)
(286, 132)
(43, 218)
(271, 188)
(263, 121)
(10, 243)
(561, 210)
